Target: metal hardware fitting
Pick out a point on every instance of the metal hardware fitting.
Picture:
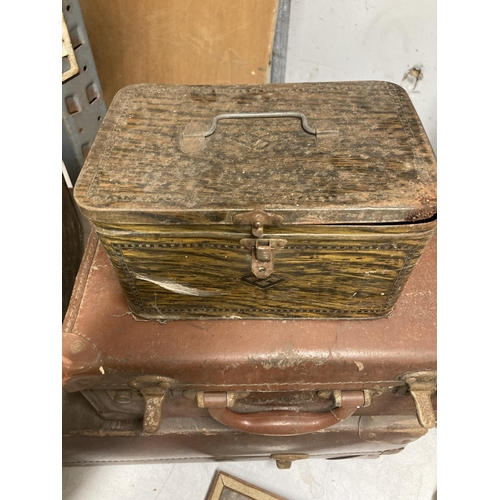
(262, 251)
(285, 461)
(336, 396)
(421, 385)
(121, 397)
(216, 399)
(286, 114)
(257, 219)
(154, 388)
(195, 133)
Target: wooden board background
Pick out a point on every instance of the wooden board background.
(179, 41)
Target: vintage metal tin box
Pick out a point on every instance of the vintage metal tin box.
(311, 200)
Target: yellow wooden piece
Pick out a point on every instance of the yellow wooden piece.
(67, 51)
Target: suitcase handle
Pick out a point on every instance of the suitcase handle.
(288, 423)
(286, 114)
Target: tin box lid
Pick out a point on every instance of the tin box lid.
(312, 153)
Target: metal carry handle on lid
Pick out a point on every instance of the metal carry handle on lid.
(288, 423)
(286, 114)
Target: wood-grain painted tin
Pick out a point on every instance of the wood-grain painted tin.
(311, 200)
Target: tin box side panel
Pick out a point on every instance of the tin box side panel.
(328, 272)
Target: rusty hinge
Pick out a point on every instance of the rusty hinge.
(257, 219)
(421, 385)
(154, 388)
(261, 249)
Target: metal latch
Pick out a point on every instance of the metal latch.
(154, 388)
(257, 219)
(262, 251)
(421, 385)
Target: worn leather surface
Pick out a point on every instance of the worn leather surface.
(89, 440)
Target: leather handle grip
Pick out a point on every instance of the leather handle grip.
(286, 423)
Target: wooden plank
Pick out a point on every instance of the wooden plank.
(196, 42)
(67, 51)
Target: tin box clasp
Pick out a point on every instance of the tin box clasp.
(257, 219)
(262, 249)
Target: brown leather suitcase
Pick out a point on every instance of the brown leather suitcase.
(311, 200)
(90, 440)
(243, 388)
